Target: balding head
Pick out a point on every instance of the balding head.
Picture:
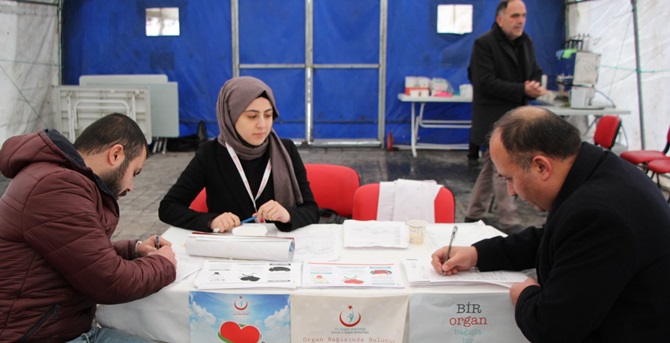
(527, 130)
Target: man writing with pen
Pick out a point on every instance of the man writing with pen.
(602, 257)
(56, 220)
(248, 172)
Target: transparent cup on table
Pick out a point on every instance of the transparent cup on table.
(417, 230)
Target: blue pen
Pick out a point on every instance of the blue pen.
(250, 219)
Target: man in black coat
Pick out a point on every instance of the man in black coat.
(602, 257)
(504, 75)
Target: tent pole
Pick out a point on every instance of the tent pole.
(638, 72)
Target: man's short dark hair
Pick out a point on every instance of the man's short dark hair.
(502, 6)
(527, 130)
(115, 128)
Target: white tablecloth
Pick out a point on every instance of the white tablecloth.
(436, 310)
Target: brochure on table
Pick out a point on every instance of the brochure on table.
(237, 274)
(322, 275)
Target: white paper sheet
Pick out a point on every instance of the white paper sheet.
(316, 243)
(421, 273)
(386, 234)
(468, 233)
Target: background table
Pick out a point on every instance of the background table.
(164, 316)
(418, 121)
(595, 112)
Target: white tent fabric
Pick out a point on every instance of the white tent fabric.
(29, 66)
(610, 26)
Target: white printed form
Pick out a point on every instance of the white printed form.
(384, 234)
(323, 275)
(317, 242)
(421, 273)
(235, 274)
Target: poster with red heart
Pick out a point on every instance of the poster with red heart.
(239, 318)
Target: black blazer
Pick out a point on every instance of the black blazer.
(213, 168)
(602, 257)
(497, 78)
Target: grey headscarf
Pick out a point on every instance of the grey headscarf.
(234, 97)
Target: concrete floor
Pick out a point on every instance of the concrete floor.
(139, 208)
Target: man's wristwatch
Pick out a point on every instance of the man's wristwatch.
(137, 252)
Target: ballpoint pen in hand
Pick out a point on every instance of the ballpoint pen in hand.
(158, 241)
(451, 242)
(250, 219)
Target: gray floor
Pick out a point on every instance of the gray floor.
(139, 209)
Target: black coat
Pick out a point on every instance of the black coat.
(213, 168)
(602, 258)
(498, 78)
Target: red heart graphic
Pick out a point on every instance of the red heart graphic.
(231, 332)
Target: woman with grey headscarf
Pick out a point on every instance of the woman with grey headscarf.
(248, 171)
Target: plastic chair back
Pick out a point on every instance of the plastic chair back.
(607, 130)
(200, 202)
(333, 187)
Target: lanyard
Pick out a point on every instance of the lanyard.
(264, 181)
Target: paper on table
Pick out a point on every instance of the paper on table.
(322, 275)
(241, 248)
(233, 274)
(250, 230)
(421, 273)
(317, 242)
(468, 233)
(387, 234)
(187, 265)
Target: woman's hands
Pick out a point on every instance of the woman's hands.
(273, 211)
(224, 222)
(270, 211)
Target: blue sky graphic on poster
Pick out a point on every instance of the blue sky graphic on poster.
(239, 318)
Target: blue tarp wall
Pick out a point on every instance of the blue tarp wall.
(108, 37)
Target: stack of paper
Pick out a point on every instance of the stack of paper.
(231, 274)
(421, 273)
(385, 234)
(316, 243)
(324, 275)
(240, 247)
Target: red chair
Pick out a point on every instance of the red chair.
(200, 202)
(642, 157)
(607, 129)
(333, 187)
(658, 167)
(367, 197)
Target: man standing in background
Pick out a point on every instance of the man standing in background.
(504, 75)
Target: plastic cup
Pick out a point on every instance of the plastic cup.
(417, 230)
